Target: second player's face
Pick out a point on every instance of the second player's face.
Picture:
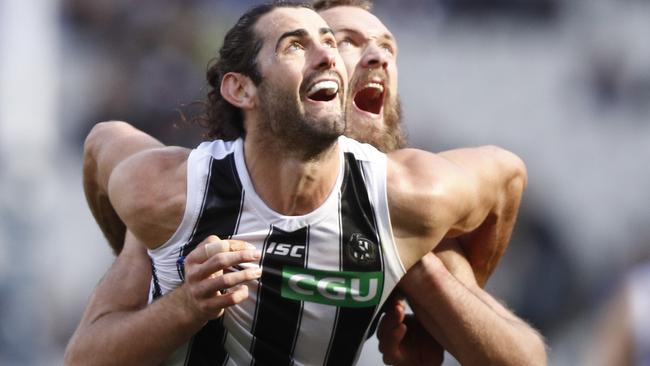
(369, 52)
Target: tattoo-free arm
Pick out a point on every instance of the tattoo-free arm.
(467, 321)
(463, 192)
(484, 246)
(119, 328)
(107, 145)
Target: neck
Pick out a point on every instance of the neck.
(291, 182)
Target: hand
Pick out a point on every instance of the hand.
(403, 341)
(207, 290)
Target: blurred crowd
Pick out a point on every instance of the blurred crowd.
(566, 85)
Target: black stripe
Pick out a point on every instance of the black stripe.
(358, 223)
(222, 203)
(220, 216)
(156, 292)
(277, 319)
(206, 347)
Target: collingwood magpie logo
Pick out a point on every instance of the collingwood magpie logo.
(361, 250)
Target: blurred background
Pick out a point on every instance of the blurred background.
(565, 84)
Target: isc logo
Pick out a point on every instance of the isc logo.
(284, 249)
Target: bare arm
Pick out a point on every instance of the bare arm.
(107, 145)
(470, 192)
(131, 180)
(117, 313)
(463, 318)
(484, 246)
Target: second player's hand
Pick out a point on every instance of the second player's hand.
(207, 290)
(403, 341)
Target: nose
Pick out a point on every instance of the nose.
(374, 57)
(325, 58)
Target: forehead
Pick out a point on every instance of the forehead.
(281, 20)
(355, 19)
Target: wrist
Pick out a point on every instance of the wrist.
(188, 312)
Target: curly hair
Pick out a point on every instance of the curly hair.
(320, 5)
(241, 45)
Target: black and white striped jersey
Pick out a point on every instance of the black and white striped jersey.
(325, 274)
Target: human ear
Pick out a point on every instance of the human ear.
(238, 90)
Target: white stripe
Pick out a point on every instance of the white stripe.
(318, 319)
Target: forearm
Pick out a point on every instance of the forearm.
(118, 328)
(469, 323)
(138, 337)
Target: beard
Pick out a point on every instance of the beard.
(386, 136)
(292, 130)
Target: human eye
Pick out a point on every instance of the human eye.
(331, 43)
(295, 46)
(346, 42)
(388, 48)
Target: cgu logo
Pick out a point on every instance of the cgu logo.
(339, 288)
(284, 249)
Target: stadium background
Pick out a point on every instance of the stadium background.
(564, 84)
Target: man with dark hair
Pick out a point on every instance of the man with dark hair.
(315, 116)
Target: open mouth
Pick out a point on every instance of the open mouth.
(323, 91)
(370, 98)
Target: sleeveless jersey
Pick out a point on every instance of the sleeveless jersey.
(325, 274)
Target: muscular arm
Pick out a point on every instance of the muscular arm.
(463, 191)
(131, 180)
(119, 328)
(484, 246)
(467, 321)
(482, 209)
(462, 317)
(107, 145)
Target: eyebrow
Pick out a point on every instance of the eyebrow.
(385, 35)
(301, 33)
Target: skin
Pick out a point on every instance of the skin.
(490, 330)
(171, 165)
(365, 44)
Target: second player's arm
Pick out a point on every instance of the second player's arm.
(467, 192)
(107, 145)
(464, 319)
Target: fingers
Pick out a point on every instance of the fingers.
(211, 286)
(391, 333)
(216, 247)
(213, 245)
(214, 306)
(219, 262)
(389, 345)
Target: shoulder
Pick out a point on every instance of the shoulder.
(148, 191)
